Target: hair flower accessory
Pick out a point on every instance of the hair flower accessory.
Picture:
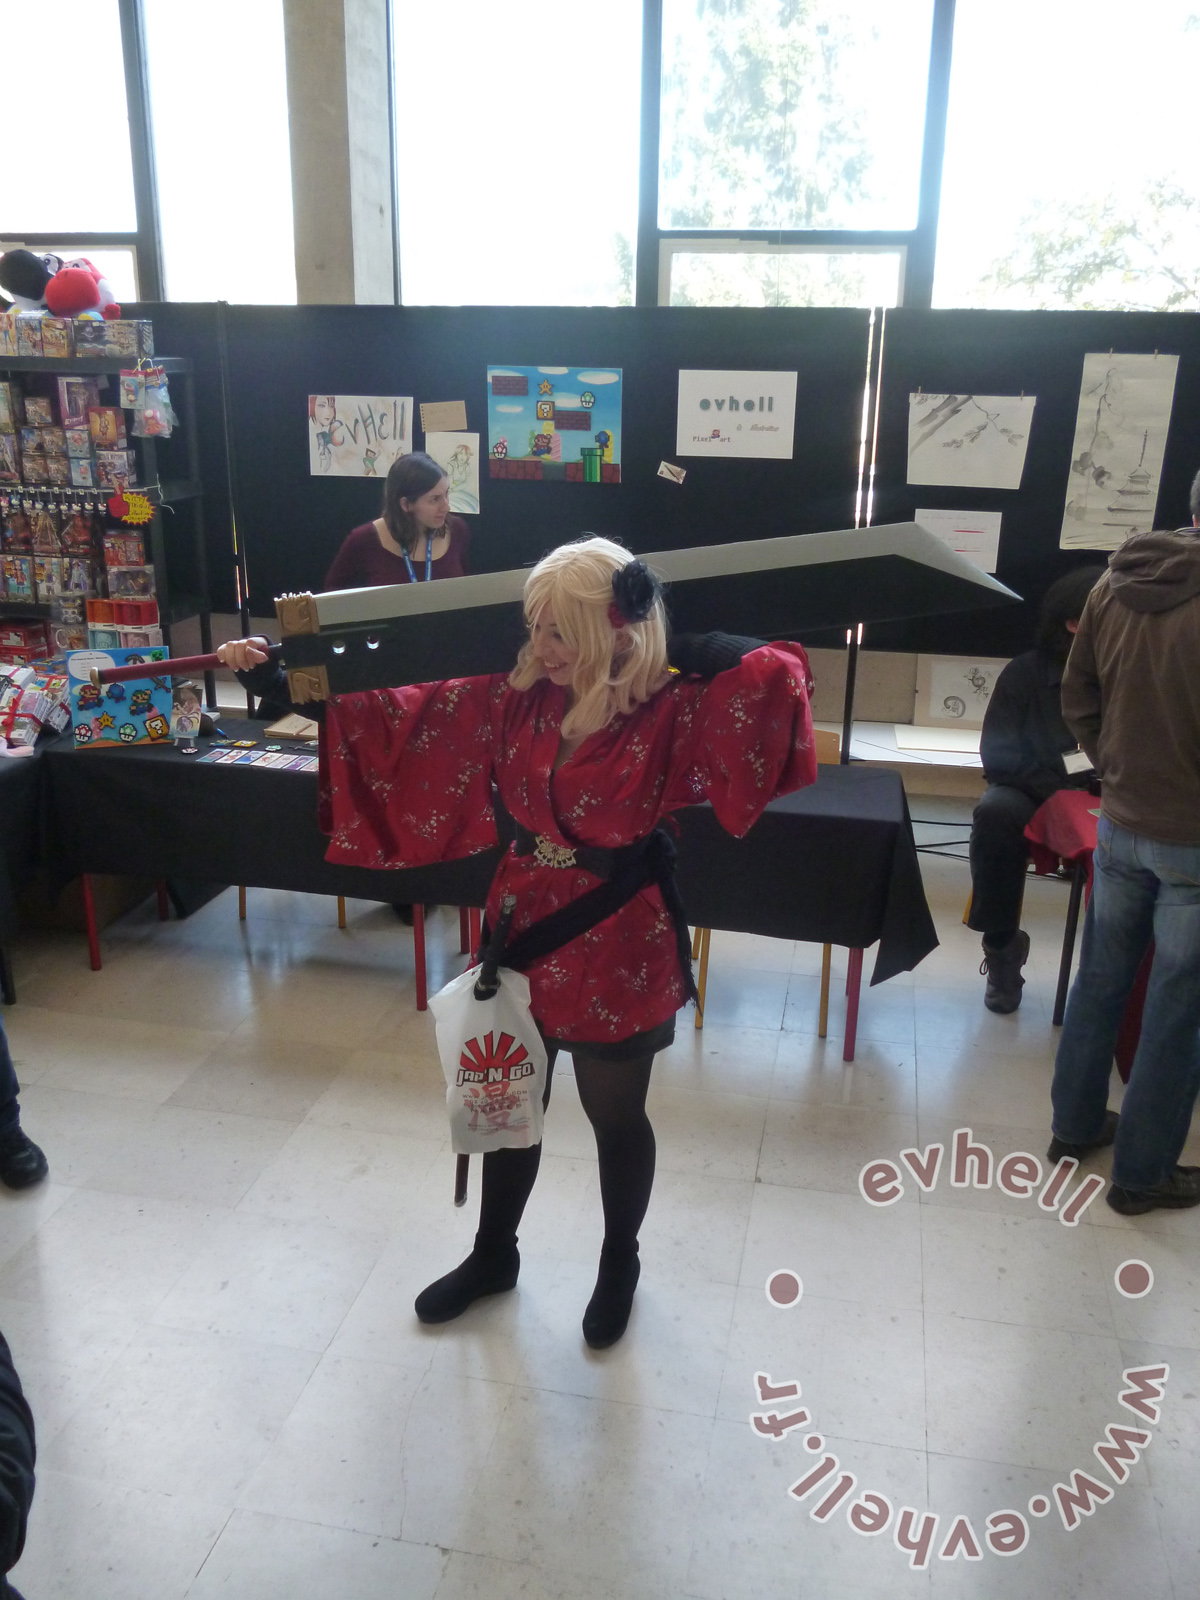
(635, 589)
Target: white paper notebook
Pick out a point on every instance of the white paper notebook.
(962, 741)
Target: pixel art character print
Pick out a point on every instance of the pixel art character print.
(113, 714)
(554, 424)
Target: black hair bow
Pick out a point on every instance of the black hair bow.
(635, 589)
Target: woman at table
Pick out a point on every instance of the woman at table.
(1023, 745)
(591, 743)
(414, 541)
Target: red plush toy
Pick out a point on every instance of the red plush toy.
(77, 287)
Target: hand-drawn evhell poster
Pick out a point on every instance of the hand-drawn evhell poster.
(357, 435)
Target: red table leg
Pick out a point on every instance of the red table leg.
(853, 985)
(164, 905)
(464, 932)
(419, 949)
(89, 917)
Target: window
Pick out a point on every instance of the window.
(67, 167)
(517, 143)
(793, 113)
(1070, 163)
(117, 263)
(744, 273)
(218, 103)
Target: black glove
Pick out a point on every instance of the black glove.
(268, 683)
(704, 655)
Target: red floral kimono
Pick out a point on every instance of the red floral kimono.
(407, 781)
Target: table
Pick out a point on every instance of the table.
(835, 863)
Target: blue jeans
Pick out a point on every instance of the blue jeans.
(10, 1111)
(1143, 890)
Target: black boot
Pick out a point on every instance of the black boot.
(1002, 964)
(489, 1269)
(607, 1314)
(22, 1163)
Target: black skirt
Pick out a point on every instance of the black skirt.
(630, 1049)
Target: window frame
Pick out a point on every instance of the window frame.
(145, 240)
(654, 245)
(744, 242)
(918, 245)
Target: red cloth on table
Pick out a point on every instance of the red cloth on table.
(1064, 828)
(407, 776)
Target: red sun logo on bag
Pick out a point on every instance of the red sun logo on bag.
(493, 1062)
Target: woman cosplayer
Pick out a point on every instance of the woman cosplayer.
(590, 742)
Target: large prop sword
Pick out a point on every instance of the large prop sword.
(347, 640)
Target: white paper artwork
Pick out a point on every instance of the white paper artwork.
(736, 414)
(1120, 436)
(974, 534)
(953, 691)
(357, 435)
(969, 441)
(458, 456)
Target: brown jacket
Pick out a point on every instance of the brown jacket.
(1131, 690)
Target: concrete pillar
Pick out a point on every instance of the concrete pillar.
(337, 81)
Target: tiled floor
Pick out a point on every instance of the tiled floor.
(211, 1301)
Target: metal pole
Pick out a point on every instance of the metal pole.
(646, 264)
(239, 553)
(141, 151)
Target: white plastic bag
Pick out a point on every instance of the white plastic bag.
(494, 1061)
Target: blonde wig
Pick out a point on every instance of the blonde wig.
(617, 668)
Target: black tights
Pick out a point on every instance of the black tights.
(613, 1094)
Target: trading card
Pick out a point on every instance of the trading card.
(75, 397)
(57, 337)
(12, 407)
(29, 336)
(108, 427)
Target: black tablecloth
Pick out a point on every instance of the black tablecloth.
(831, 864)
(835, 863)
(20, 837)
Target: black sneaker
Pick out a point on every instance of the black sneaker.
(1002, 965)
(22, 1164)
(1176, 1193)
(1060, 1148)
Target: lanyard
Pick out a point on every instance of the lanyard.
(412, 576)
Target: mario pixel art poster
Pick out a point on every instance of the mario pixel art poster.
(114, 714)
(554, 424)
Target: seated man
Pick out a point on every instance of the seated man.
(1023, 743)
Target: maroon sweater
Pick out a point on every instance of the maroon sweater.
(363, 563)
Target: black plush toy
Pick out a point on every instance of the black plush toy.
(24, 278)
